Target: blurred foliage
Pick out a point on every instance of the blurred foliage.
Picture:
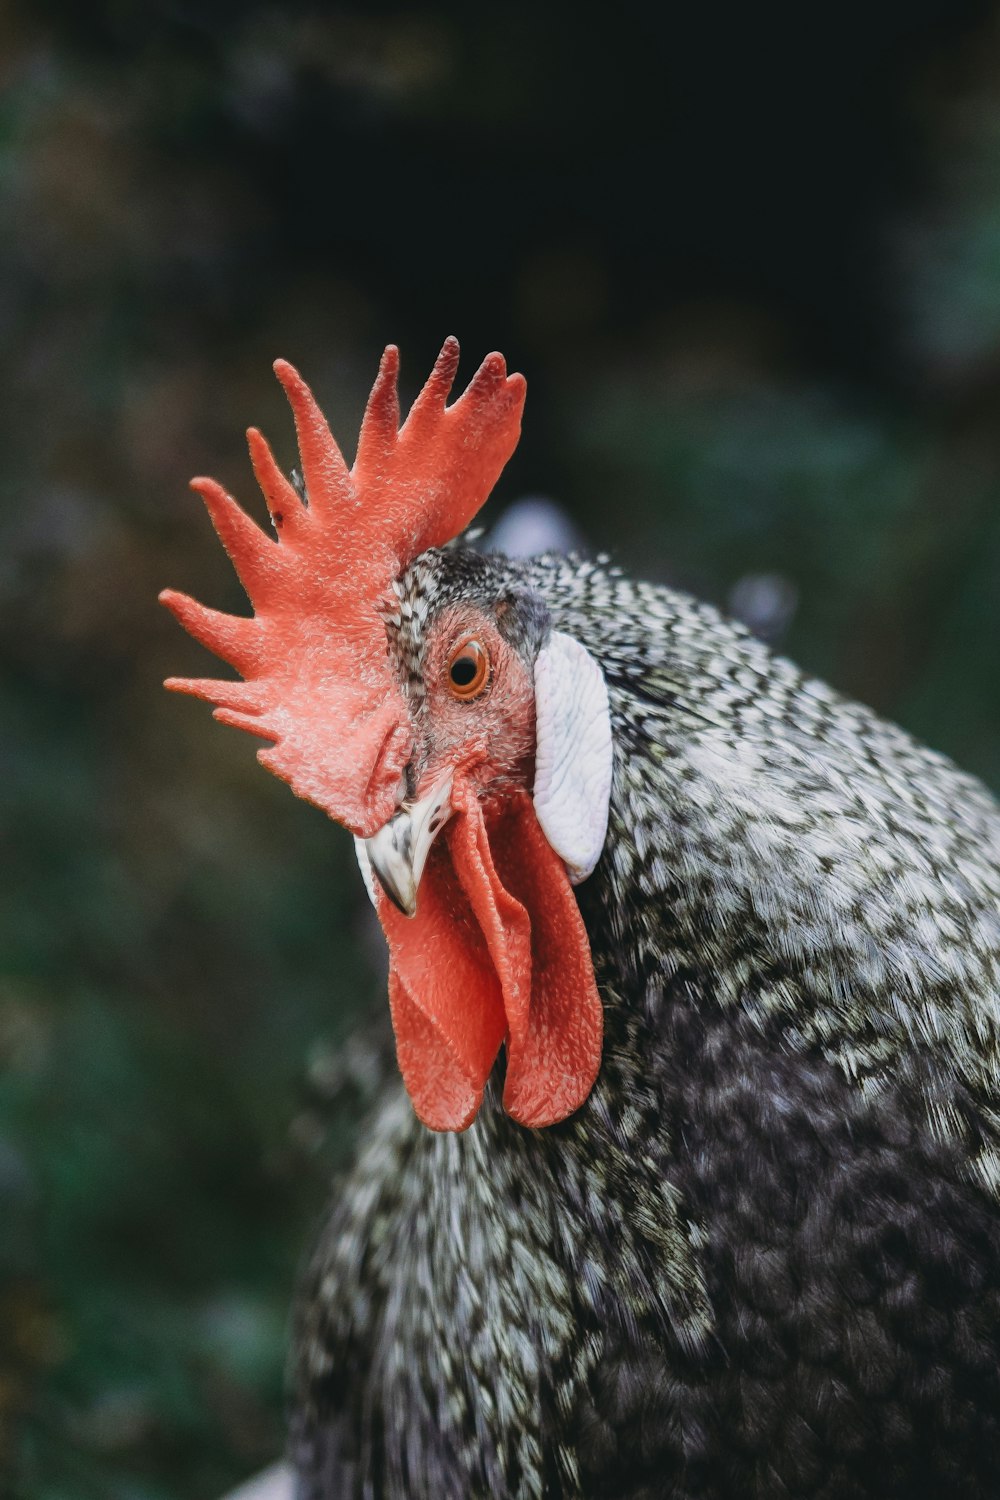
(750, 261)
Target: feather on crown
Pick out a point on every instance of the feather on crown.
(317, 681)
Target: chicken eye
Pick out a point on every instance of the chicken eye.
(468, 669)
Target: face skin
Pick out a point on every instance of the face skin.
(473, 746)
(490, 738)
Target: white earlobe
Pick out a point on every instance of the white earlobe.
(572, 753)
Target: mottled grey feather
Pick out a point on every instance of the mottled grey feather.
(764, 1259)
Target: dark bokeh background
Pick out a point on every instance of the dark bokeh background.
(749, 259)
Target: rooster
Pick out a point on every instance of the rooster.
(691, 1188)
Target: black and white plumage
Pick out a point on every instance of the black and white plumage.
(763, 1259)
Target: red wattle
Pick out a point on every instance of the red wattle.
(497, 952)
(447, 1009)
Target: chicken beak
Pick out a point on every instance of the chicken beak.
(398, 852)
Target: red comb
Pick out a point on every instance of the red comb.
(317, 681)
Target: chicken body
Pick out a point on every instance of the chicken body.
(763, 1259)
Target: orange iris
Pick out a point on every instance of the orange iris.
(468, 669)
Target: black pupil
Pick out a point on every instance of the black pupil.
(463, 670)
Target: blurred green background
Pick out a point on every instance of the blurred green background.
(749, 259)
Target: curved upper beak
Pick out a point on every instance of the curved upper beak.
(398, 852)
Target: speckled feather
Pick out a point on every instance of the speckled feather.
(764, 1259)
